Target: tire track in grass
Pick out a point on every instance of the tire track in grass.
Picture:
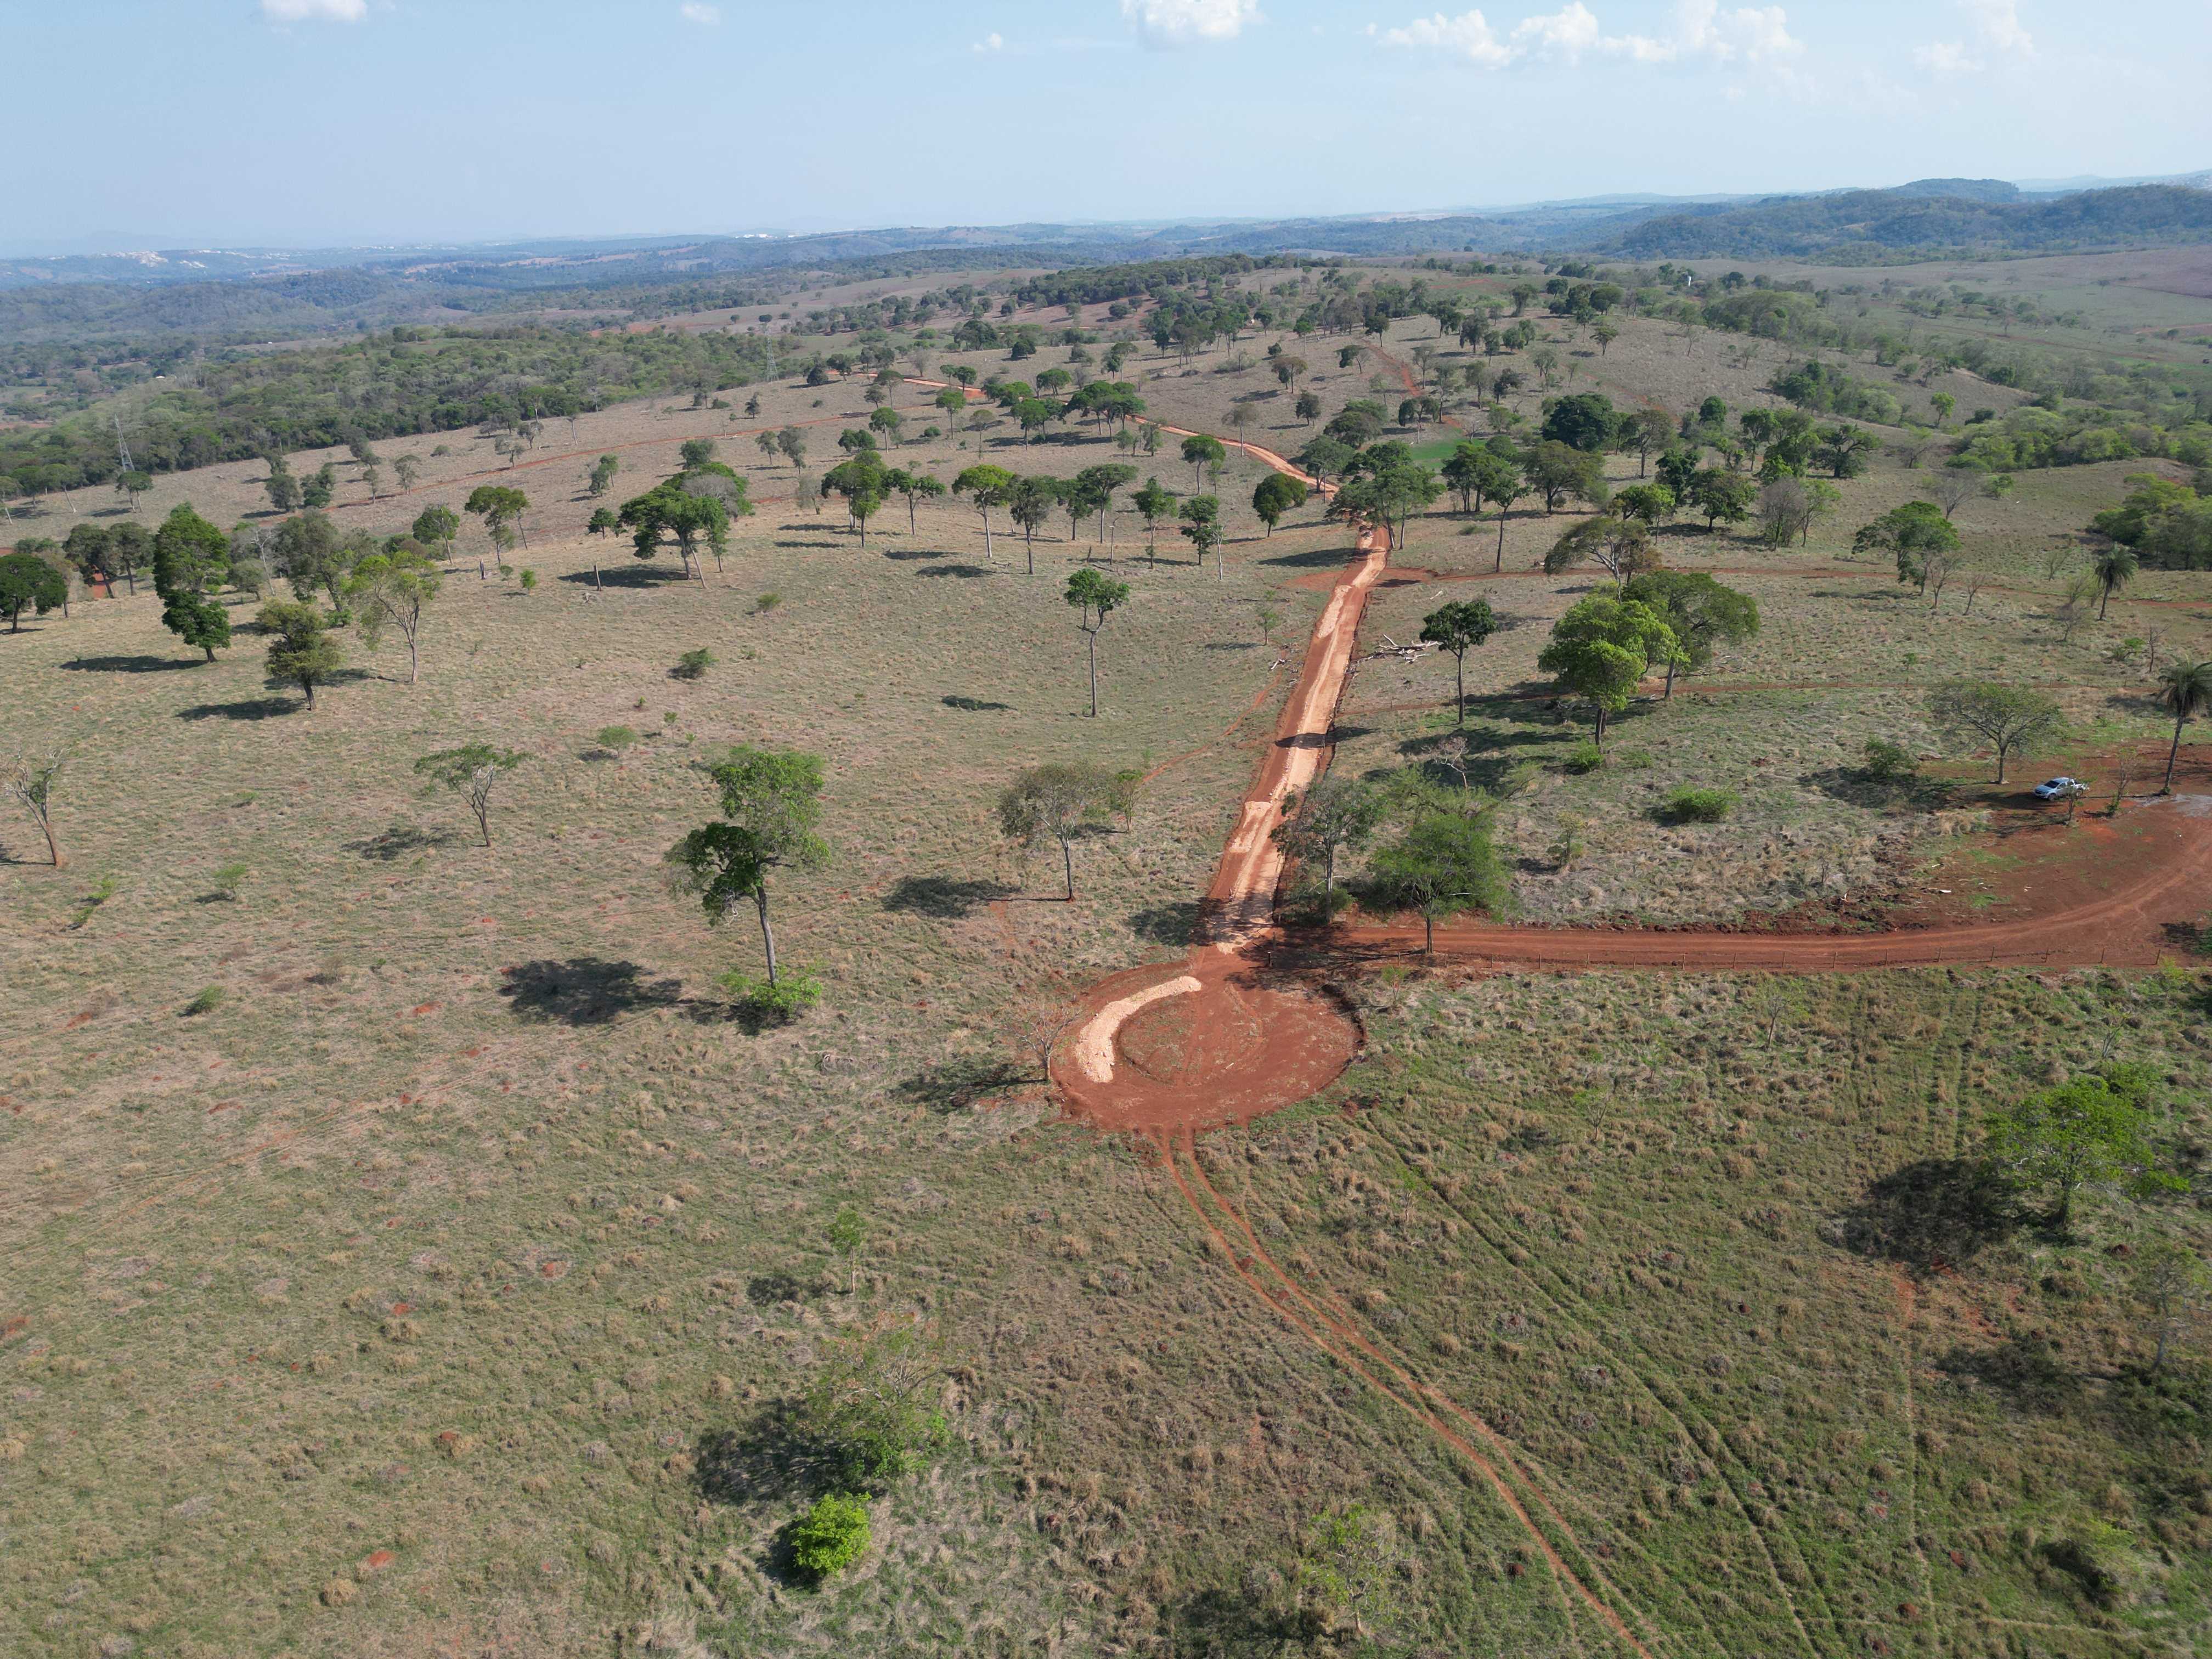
(1409, 1395)
(1564, 1298)
(1348, 1326)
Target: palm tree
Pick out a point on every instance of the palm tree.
(2186, 688)
(2114, 567)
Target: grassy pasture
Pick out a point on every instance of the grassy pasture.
(435, 1290)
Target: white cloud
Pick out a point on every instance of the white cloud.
(993, 42)
(1566, 33)
(1946, 57)
(1179, 22)
(1997, 21)
(1468, 35)
(1702, 33)
(693, 11)
(1996, 30)
(314, 11)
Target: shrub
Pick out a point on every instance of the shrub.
(1888, 763)
(1585, 757)
(206, 1002)
(692, 664)
(785, 999)
(1690, 804)
(766, 603)
(224, 883)
(830, 1536)
(616, 737)
(529, 580)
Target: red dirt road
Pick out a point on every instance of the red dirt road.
(1223, 1036)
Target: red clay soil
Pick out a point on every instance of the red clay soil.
(1227, 1034)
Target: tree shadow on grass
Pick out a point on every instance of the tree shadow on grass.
(1174, 924)
(389, 845)
(952, 570)
(1936, 1213)
(585, 991)
(771, 1459)
(130, 664)
(1228, 1624)
(1314, 559)
(974, 705)
(911, 555)
(945, 897)
(2026, 1369)
(626, 575)
(246, 708)
(957, 1084)
(1857, 786)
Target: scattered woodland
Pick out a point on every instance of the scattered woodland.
(547, 860)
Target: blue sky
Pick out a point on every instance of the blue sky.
(175, 123)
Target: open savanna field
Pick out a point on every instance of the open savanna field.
(411, 1249)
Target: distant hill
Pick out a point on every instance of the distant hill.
(1980, 214)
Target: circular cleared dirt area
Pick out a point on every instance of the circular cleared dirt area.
(1194, 1044)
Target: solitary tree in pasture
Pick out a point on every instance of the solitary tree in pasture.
(1096, 596)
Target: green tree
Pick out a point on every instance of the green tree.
(1337, 814)
(1556, 471)
(1155, 506)
(28, 582)
(472, 771)
(191, 556)
(283, 489)
(1944, 402)
(436, 526)
(951, 400)
(1622, 546)
(1201, 528)
(831, 1535)
(1458, 628)
(2170, 1282)
(988, 487)
(792, 442)
(1647, 503)
(1062, 802)
(1098, 484)
(1307, 407)
(1911, 532)
(2008, 717)
(2114, 567)
(1723, 496)
(408, 469)
(1096, 596)
(1601, 649)
(1443, 866)
(390, 589)
(771, 805)
(916, 486)
(501, 509)
(2090, 1131)
(1276, 494)
(1030, 504)
(31, 781)
(312, 557)
(2184, 689)
(604, 470)
(695, 452)
(1843, 448)
(301, 652)
(1202, 452)
(1702, 612)
(846, 1233)
(669, 509)
(321, 486)
(870, 1412)
(1583, 420)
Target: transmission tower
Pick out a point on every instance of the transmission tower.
(121, 448)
